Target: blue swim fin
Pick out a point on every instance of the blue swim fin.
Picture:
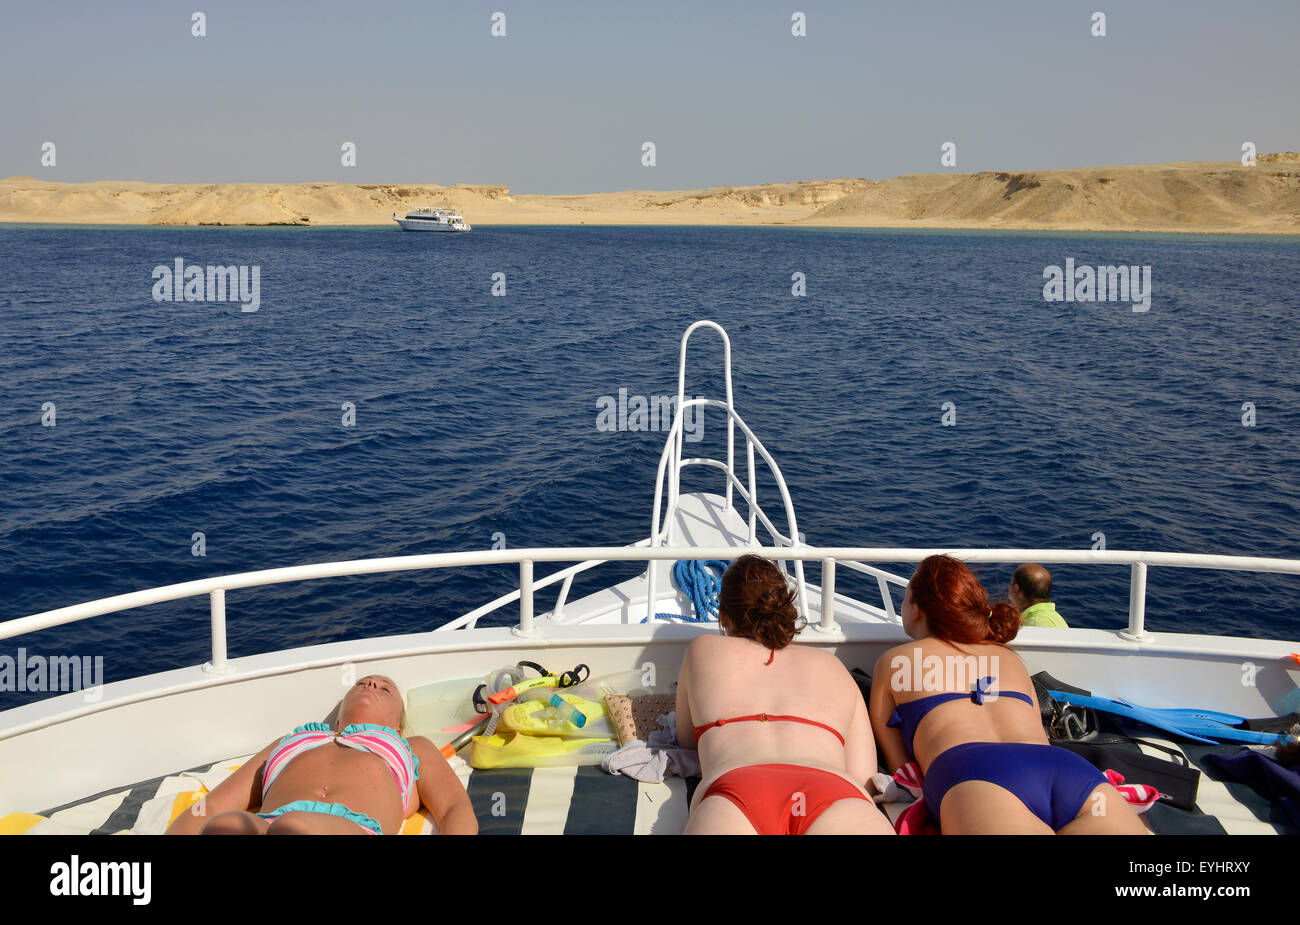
(1129, 711)
(1230, 734)
(1197, 725)
(1228, 719)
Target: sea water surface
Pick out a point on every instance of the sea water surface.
(921, 393)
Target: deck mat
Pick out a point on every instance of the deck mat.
(583, 801)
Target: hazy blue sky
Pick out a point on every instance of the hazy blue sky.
(563, 102)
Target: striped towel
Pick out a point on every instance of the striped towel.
(512, 801)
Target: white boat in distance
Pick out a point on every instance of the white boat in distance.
(156, 737)
(432, 220)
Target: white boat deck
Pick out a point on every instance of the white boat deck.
(700, 520)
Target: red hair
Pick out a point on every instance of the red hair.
(956, 606)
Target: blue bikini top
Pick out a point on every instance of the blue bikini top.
(909, 715)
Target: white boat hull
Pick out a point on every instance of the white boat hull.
(425, 225)
(156, 725)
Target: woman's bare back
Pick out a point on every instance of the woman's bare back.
(728, 677)
(932, 666)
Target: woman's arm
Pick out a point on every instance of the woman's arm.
(241, 790)
(860, 750)
(441, 791)
(685, 726)
(881, 708)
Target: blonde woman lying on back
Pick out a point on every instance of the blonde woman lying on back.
(359, 777)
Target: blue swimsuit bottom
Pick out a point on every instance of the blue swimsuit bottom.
(1053, 783)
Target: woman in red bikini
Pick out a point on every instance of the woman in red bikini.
(783, 734)
(961, 703)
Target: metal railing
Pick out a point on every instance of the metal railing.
(672, 463)
(655, 549)
(525, 559)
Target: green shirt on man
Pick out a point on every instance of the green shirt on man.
(1042, 614)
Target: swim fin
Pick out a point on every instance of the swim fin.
(517, 750)
(1197, 725)
(1129, 711)
(531, 717)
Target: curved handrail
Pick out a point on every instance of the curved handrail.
(1138, 561)
(681, 397)
(672, 450)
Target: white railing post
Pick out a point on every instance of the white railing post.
(217, 608)
(753, 493)
(886, 598)
(652, 577)
(1137, 604)
(563, 597)
(827, 624)
(795, 543)
(731, 434)
(525, 627)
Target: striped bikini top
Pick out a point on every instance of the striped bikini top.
(364, 737)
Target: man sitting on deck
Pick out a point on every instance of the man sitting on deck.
(1031, 593)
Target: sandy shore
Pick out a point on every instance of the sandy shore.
(1192, 197)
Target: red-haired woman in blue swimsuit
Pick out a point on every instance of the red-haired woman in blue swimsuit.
(783, 733)
(962, 704)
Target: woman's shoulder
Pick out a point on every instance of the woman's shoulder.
(704, 648)
(705, 643)
(913, 648)
(818, 656)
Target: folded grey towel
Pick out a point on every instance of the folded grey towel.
(657, 758)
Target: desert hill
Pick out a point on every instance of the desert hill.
(1192, 196)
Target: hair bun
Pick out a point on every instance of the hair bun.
(772, 601)
(759, 602)
(1004, 622)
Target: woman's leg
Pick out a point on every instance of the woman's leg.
(851, 817)
(977, 807)
(234, 822)
(718, 816)
(1106, 812)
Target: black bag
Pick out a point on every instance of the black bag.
(1176, 780)
(1064, 721)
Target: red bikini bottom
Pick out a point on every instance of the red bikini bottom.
(782, 799)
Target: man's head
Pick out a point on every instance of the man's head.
(1030, 584)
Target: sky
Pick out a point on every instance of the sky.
(566, 99)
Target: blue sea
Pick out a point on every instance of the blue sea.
(382, 401)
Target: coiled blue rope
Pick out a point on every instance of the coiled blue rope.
(696, 578)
